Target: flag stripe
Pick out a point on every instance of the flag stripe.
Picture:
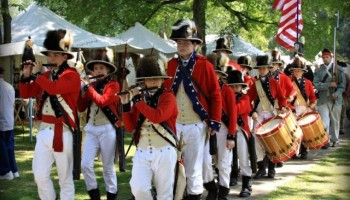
(291, 22)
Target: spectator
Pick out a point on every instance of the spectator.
(8, 166)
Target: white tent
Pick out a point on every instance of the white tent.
(138, 39)
(35, 21)
(239, 46)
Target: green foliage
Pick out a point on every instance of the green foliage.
(254, 20)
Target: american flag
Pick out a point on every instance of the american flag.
(291, 22)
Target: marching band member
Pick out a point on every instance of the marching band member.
(264, 92)
(243, 134)
(153, 116)
(198, 98)
(246, 64)
(223, 45)
(102, 120)
(284, 81)
(227, 134)
(305, 99)
(331, 87)
(60, 91)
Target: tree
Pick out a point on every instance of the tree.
(254, 20)
(6, 17)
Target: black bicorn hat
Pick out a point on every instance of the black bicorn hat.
(219, 62)
(263, 61)
(245, 61)
(223, 44)
(185, 29)
(28, 57)
(152, 66)
(235, 78)
(58, 41)
(104, 56)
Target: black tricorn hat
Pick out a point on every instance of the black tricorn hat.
(104, 56)
(185, 29)
(219, 62)
(223, 44)
(298, 63)
(152, 66)
(245, 61)
(276, 57)
(28, 57)
(235, 78)
(58, 41)
(262, 61)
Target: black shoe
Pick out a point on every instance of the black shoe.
(260, 173)
(94, 194)
(271, 173)
(233, 181)
(326, 146)
(303, 156)
(279, 164)
(246, 187)
(223, 193)
(334, 144)
(111, 196)
(212, 189)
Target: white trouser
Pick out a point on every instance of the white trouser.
(224, 160)
(208, 171)
(44, 157)
(243, 154)
(260, 151)
(331, 119)
(194, 138)
(99, 138)
(157, 164)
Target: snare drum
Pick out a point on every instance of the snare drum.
(293, 128)
(274, 136)
(315, 135)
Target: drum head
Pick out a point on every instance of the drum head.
(307, 119)
(268, 126)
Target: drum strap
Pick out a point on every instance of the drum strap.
(266, 104)
(299, 101)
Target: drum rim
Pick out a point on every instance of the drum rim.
(271, 131)
(312, 122)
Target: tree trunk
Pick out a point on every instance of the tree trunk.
(7, 21)
(199, 7)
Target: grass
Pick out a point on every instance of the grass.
(24, 187)
(328, 179)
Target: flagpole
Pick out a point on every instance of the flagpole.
(297, 21)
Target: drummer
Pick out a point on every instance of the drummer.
(305, 99)
(264, 93)
(283, 80)
(243, 134)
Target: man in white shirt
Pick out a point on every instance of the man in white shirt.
(8, 166)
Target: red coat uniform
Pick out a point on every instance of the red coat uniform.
(68, 86)
(275, 92)
(235, 65)
(248, 80)
(203, 72)
(166, 111)
(107, 98)
(243, 110)
(228, 106)
(307, 88)
(285, 84)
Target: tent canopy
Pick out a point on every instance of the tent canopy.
(35, 21)
(138, 39)
(239, 46)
